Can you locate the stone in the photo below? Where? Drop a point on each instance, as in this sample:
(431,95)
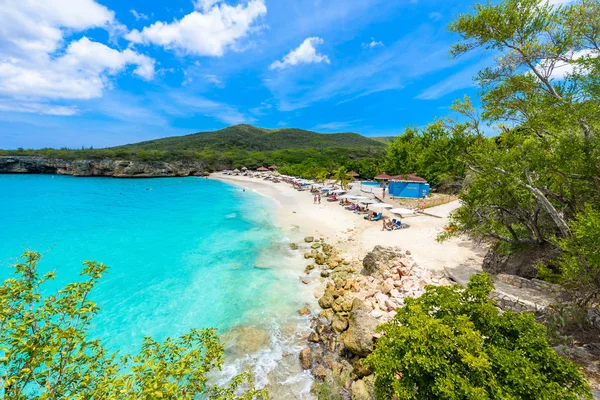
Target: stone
(313,337)
(339,325)
(308,255)
(306,358)
(327,300)
(361,368)
(395,293)
(333,264)
(391,305)
(361,328)
(328,314)
(319,258)
(319,372)
(293,246)
(378,261)
(304,280)
(360,391)
(377,313)
(387,286)
(241,340)
(347,306)
(315,245)
(304,311)
(325,274)
(309,239)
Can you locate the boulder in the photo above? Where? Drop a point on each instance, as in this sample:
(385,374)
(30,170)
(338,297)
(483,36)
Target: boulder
(306,358)
(361,328)
(313,337)
(320,258)
(339,324)
(378,261)
(293,246)
(361,368)
(304,311)
(328,314)
(319,372)
(307,255)
(360,390)
(309,239)
(327,300)
(241,340)
(315,245)
(325,274)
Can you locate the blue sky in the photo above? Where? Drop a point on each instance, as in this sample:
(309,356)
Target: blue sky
(107,72)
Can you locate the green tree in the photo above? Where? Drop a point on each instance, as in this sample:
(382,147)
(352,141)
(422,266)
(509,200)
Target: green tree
(453,343)
(580,261)
(341,177)
(45,352)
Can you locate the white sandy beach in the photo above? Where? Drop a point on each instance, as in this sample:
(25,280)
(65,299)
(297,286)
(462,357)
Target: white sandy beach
(354,236)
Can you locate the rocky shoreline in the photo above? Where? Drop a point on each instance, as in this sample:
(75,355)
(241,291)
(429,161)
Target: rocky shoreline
(357,298)
(102,168)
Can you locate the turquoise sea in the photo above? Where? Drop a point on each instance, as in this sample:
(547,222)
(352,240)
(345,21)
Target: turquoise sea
(183,253)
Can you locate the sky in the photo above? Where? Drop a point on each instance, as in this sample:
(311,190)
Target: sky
(81,73)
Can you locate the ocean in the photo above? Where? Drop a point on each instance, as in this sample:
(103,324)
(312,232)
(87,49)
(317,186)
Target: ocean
(183,253)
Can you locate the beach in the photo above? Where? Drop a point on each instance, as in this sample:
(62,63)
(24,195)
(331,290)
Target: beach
(354,236)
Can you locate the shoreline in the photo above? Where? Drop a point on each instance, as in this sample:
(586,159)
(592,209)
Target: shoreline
(354,237)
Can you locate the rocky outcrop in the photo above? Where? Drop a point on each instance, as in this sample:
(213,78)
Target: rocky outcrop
(379,260)
(361,329)
(107,168)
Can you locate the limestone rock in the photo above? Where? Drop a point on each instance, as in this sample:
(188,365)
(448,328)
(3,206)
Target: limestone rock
(313,337)
(360,391)
(339,324)
(319,258)
(361,328)
(293,246)
(327,300)
(319,372)
(309,239)
(328,314)
(306,358)
(315,245)
(379,260)
(304,311)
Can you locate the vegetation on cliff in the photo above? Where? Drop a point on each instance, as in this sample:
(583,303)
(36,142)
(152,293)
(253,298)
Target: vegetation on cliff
(46,353)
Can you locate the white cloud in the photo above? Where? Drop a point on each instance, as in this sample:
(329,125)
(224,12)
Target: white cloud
(33,29)
(138,15)
(303,54)
(205,5)
(209,31)
(435,16)
(81,73)
(372,44)
(36,67)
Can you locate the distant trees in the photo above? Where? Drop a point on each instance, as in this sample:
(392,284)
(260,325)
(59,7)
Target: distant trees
(45,351)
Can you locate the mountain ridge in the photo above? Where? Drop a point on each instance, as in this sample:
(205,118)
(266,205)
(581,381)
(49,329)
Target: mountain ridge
(251,138)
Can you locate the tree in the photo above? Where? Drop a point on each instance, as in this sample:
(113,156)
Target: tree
(527,184)
(580,262)
(453,343)
(45,352)
(341,177)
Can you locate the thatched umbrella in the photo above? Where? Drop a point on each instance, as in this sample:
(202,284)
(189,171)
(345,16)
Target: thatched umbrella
(353,174)
(273,167)
(262,169)
(383,177)
(244,169)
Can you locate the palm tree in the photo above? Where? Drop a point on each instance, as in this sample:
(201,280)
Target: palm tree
(341,177)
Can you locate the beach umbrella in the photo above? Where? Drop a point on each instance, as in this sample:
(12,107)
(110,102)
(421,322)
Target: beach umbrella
(262,169)
(348,197)
(338,191)
(402,211)
(236,170)
(368,201)
(381,205)
(244,169)
(361,198)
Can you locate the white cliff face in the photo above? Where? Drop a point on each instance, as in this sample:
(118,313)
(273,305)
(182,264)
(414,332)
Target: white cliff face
(107,168)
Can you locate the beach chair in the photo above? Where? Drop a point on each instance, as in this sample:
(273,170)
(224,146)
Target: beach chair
(378,217)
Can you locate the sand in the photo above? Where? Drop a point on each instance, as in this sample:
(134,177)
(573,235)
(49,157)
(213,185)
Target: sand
(297,216)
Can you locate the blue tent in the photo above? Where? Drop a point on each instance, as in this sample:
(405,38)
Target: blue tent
(409,186)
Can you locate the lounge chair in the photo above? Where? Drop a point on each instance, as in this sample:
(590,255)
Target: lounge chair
(378,217)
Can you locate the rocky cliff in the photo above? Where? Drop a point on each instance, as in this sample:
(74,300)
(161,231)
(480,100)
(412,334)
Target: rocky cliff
(109,168)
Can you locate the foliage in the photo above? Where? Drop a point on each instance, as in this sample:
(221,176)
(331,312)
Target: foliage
(45,352)
(580,261)
(453,343)
(431,153)
(526,184)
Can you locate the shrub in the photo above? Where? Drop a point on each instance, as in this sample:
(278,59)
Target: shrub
(453,343)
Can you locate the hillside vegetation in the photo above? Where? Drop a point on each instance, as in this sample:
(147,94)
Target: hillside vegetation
(251,138)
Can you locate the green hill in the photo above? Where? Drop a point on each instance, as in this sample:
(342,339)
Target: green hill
(250,138)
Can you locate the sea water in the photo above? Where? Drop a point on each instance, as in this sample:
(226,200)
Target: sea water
(183,253)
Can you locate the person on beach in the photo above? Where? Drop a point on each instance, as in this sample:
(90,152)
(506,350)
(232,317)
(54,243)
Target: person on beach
(315,199)
(319,198)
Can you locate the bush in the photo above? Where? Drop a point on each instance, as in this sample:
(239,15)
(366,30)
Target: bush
(453,343)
